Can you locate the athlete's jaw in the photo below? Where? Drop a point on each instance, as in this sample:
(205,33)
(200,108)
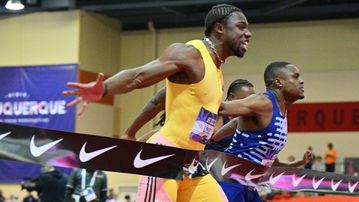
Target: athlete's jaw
(301,91)
(239,45)
(243,45)
(242,48)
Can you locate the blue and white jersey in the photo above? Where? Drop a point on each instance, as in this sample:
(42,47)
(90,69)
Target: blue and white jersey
(261,146)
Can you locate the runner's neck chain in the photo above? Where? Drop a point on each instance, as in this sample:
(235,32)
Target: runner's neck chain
(210,43)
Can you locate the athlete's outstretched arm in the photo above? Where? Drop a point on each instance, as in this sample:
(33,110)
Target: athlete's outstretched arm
(151,109)
(253,105)
(226,130)
(176,58)
(307,158)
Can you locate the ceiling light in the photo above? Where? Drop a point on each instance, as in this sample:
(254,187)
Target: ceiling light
(14,5)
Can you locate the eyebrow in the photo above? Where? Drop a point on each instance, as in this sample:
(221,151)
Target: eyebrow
(243,22)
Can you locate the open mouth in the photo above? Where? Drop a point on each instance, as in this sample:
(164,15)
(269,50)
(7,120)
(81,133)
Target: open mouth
(244,46)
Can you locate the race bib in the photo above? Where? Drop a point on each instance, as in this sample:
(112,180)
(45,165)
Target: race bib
(204,126)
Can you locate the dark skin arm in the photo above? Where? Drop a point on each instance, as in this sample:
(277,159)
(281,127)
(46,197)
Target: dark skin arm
(307,157)
(225,131)
(180,63)
(151,109)
(256,105)
(147,135)
(253,105)
(254,112)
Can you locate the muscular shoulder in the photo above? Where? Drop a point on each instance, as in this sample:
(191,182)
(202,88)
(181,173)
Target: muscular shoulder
(260,103)
(259,98)
(181,52)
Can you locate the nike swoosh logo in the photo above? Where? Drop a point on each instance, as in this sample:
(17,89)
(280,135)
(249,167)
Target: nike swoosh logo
(4,135)
(352,188)
(273,180)
(208,166)
(140,163)
(316,184)
(38,151)
(225,170)
(86,156)
(297,181)
(250,177)
(336,185)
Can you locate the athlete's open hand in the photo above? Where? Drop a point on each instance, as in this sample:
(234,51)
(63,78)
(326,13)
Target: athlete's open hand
(86,92)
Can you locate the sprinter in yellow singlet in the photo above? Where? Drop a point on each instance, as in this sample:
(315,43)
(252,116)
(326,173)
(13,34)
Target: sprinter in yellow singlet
(194,88)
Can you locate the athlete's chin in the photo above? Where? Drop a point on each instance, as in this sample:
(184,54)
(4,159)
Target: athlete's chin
(240,54)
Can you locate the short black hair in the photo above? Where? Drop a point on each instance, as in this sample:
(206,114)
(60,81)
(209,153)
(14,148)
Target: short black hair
(217,14)
(236,84)
(272,71)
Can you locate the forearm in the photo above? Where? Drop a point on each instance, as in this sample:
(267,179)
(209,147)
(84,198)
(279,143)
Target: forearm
(226,130)
(289,164)
(141,77)
(242,107)
(147,136)
(140,121)
(122,82)
(151,109)
(253,105)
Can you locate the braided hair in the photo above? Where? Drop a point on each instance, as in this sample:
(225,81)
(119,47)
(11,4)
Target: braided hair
(236,84)
(217,14)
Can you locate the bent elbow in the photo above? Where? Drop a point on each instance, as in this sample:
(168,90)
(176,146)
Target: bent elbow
(224,110)
(221,111)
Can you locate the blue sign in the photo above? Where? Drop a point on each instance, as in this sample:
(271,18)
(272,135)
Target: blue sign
(32,96)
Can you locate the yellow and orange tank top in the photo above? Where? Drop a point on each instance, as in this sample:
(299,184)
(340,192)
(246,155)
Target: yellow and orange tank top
(189,106)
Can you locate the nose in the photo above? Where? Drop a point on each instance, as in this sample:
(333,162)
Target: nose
(248,34)
(301,81)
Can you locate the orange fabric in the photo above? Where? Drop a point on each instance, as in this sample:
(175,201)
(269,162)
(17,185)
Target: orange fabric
(327,198)
(330,156)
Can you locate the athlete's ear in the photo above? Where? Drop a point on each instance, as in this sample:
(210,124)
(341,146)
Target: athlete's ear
(218,28)
(230,97)
(278,83)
